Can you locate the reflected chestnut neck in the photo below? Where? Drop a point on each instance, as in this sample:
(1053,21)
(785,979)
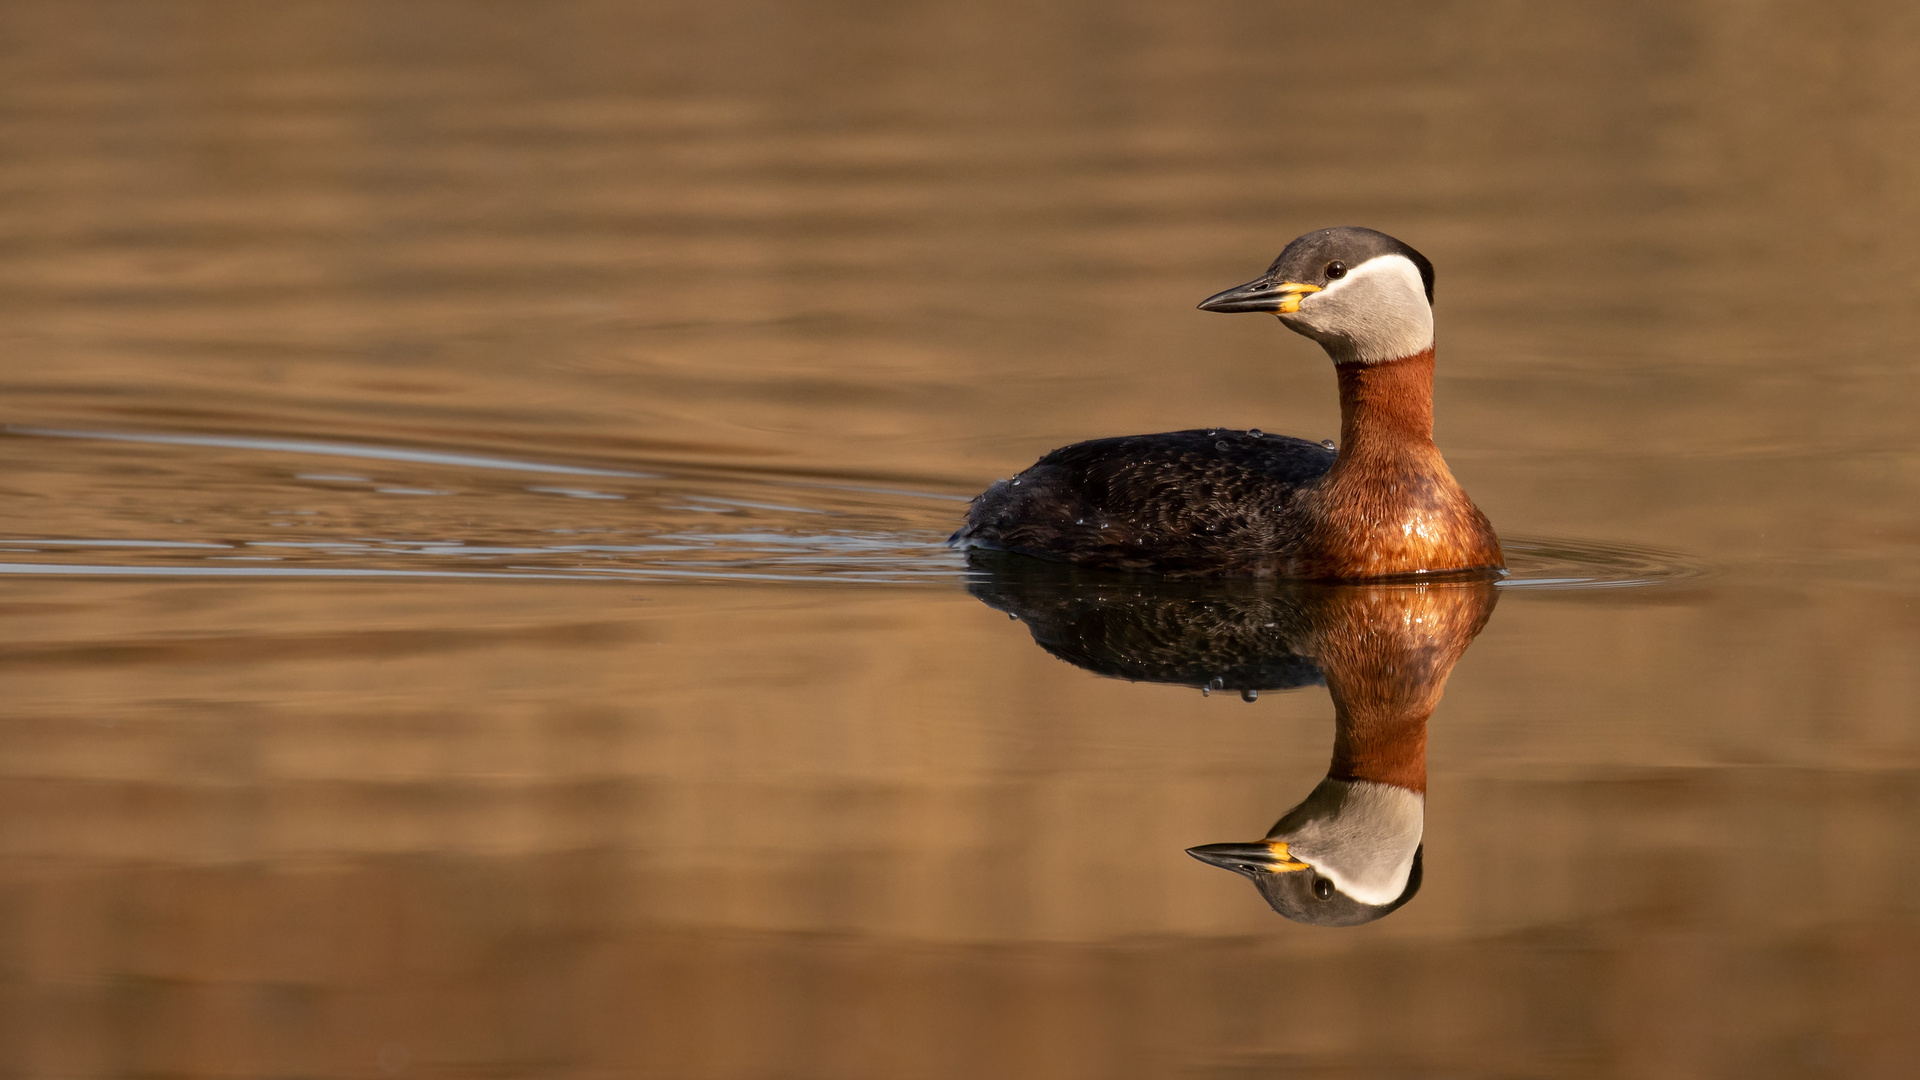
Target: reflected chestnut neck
(1382,746)
(1386,660)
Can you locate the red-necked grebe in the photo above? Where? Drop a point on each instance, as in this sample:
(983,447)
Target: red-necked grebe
(1215,502)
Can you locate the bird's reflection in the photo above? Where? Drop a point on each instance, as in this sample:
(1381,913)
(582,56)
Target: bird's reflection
(1350,852)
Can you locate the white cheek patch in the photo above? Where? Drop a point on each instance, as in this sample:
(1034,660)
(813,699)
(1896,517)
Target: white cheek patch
(1377,312)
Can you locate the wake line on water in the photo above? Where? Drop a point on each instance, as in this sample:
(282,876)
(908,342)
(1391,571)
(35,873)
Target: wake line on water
(787,547)
(346,450)
(372,452)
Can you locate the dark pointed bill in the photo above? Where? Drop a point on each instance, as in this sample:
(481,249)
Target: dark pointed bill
(1279,297)
(1259,857)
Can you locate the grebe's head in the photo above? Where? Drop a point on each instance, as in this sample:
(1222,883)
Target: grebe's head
(1347,855)
(1363,295)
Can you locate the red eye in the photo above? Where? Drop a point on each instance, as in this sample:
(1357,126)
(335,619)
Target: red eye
(1336,269)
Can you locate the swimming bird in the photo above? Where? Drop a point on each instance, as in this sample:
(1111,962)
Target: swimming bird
(1215,502)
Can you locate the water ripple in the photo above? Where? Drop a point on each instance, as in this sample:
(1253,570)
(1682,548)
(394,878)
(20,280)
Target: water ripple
(326,449)
(197,504)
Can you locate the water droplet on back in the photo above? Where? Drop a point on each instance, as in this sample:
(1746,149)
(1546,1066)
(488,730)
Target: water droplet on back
(1206,691)
(1328,443)
(1249,695)
(1255,432)
(1221,445)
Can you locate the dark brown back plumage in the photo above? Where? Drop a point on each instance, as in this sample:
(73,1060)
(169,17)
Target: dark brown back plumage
(1221,502)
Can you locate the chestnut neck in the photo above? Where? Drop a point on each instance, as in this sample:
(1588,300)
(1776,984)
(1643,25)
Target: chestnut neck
(1386,409)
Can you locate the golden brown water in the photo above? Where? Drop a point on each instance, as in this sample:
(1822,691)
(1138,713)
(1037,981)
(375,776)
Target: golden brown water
(473,477)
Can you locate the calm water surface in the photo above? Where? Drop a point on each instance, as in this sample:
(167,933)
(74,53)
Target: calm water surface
(472,483)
